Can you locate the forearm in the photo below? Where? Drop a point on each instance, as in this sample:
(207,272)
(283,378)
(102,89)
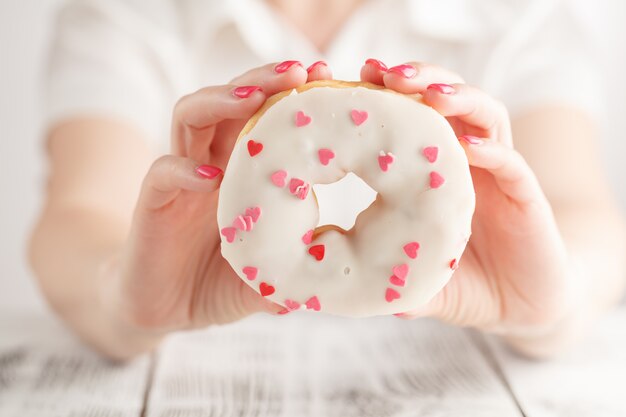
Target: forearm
(72,251)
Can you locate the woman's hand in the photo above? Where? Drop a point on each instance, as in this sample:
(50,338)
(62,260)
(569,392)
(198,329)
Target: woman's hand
(513,277)
(171,272)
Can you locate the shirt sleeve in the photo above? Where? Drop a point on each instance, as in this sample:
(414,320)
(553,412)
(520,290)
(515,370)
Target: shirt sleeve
(102,63)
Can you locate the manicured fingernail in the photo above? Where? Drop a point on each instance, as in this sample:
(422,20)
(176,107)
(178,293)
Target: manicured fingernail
(208,171)
(283,312)
(378,64)
(316,64)
(405,70)
(471,140)
(401,315)
(246,91)
(285,65)
(442,88)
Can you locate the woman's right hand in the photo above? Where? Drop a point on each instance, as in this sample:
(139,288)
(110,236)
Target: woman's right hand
(171,274)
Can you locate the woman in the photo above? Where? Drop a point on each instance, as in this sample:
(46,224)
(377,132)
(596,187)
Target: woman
(127,248)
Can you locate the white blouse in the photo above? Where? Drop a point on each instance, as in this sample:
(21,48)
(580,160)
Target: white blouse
(132,59)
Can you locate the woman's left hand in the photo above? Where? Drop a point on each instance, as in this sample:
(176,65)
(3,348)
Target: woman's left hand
(513,277)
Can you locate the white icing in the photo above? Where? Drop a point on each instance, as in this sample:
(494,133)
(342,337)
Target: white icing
(406,209)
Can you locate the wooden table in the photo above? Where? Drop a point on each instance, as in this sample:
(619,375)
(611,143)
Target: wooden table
(310,365)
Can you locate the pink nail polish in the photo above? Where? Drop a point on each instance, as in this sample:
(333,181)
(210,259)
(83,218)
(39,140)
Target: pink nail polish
(208,171)
(405,70)
(442,88)
(285,65)
(316,64)
(471,140)
(246,91)
(378,64)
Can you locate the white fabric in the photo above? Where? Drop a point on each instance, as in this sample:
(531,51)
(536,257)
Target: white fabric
(133,59)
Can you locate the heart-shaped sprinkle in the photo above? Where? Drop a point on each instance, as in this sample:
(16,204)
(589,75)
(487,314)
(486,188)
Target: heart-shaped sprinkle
(307,237)
(400,271)
(266,289)
(358,116)
(384,160)
(254,212)
(302,191)
(240,223)
(397,281)
(313,304)
(294,184)
(317,252)
(292,305)
(229,233)
(250,272)
(454,264)
(302,119)
(431,152)
(391,294)
(249,222)
(325,156)
(436,180)
(254,147)
(278,178)
(411,249)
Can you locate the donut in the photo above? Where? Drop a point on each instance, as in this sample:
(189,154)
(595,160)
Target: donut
(401,250)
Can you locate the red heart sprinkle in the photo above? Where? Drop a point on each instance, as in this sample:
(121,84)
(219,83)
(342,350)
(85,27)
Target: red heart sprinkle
(325,156)
(317,251)
(358,116)
(431,152)
(400,271)
(294,184)
(313,303)
(254,147)
(454,264)
(302,119)
(391,295)
(229,233)
(397,281)
(254,212)
(411,249)
(436,180)
(384,160)
(278,178)
(307,237)
(240,223)
(266,289)
(250,272)
(292,305)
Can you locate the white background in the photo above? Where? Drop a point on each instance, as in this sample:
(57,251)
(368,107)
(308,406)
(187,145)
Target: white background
(25,29)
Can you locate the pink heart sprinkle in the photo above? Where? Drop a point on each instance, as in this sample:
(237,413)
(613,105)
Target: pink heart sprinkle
(411,249)
(292,305)
(278,178)
(391,295)
(325,156)
(358,116)
(302,191)
(313,304)
(431,152)
(307,237)
(436,180)
(397,281)
(250,272)
(240,223)
(294,184)
(384,160)
(249,222)
(302,119)
(400,271)
(254,212)
(229,233)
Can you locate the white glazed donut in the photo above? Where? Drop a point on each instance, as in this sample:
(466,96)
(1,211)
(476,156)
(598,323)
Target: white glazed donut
(403,248)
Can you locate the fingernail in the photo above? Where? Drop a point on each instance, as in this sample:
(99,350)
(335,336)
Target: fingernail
(283,312)
(285,65)
(316,64)
(246,91)
(401,315)
(378,64)
(471,140)
(405,70)
(442,88)
(208,171)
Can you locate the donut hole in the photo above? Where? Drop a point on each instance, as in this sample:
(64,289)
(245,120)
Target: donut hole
(341,202)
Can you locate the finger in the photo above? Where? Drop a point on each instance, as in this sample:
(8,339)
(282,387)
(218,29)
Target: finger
(373,71)
(415,77)
(319,71)
(473,107)
(512,174)
(274,77)
(169,175)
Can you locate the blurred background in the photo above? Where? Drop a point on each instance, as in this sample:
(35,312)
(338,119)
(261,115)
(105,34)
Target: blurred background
(25,31)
